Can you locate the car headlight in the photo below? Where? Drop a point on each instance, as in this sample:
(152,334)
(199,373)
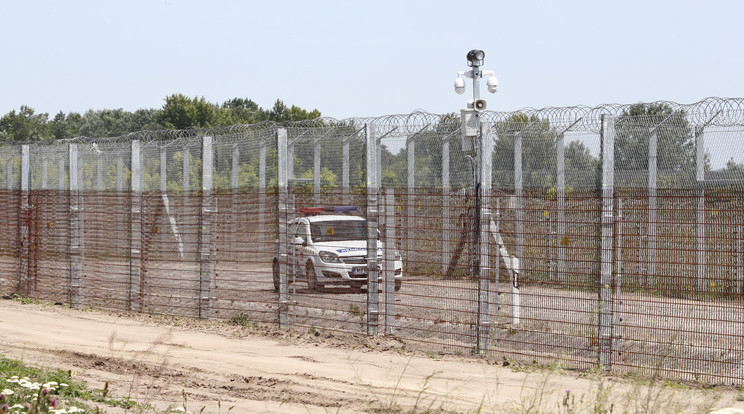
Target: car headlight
(329,257)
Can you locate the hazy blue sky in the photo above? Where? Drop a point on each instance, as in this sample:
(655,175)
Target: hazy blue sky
(354,58)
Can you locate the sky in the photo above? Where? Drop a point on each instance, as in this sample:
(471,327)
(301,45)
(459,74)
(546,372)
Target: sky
(363,59)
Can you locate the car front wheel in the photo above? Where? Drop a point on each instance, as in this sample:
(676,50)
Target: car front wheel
(312,278)
(275,269)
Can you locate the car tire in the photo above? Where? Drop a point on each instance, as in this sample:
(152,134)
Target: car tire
(310,276)
(398,284)
(275,271)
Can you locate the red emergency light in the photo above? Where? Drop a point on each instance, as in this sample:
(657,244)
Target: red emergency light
(311,210)
(318,210)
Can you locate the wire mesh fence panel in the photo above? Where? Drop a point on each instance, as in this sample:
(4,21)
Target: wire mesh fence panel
(246,229)
(610,236)
(10,196)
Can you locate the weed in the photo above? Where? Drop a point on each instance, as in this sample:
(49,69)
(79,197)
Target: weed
(241,319)
(24,301)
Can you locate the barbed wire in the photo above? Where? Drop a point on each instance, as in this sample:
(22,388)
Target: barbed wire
(713,111)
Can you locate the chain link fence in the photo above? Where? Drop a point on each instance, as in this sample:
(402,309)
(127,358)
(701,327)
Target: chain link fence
(599,237)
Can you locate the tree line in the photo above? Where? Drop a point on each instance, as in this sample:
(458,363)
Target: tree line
(634,128)
(178,112)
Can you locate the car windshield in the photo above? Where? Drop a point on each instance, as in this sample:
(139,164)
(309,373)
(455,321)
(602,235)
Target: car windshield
(338,230)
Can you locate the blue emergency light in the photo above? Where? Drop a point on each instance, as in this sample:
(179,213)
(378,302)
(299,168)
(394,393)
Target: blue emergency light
(341,209)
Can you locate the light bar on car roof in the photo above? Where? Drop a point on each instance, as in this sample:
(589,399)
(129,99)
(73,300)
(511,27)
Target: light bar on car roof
(311,210)
(341,209)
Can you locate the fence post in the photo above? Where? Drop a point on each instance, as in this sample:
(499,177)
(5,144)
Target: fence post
(484,279)
(135,238)
(345,170)
(410,209)
(606,249)
(739,275)
(44,173)
(700,227)
(262,194)
(24,222)
(445,205)
(562,238)
(61,173)
(283,216)
(617,300)
(76,253)
(518,193)
(316,171)
(652,207)
(206,266)
(234,182)
(372,225)
(389,263)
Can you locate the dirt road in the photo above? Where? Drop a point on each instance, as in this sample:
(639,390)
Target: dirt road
(256,369)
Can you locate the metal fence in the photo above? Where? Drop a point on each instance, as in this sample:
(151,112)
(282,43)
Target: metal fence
(608,236)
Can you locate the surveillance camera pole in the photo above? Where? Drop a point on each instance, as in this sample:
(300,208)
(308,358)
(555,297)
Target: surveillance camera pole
(475,144)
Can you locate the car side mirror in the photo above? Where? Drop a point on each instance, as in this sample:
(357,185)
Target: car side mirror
(298,240)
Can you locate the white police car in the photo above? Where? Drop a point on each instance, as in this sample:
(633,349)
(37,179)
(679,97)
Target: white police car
(327,247)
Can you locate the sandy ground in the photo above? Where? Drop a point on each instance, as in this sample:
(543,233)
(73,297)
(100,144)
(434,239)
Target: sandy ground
(259,369)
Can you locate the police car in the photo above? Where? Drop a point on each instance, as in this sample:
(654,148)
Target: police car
(328,246)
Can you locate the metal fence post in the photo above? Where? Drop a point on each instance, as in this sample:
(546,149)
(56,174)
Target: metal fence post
(262,194)
(76,252)
(24,238)
(234,182)
(372,225)
(316,171)
(484,280)
(61,173)
(135,237)
(206,257)
(518,193)
(9,174)
(562,238)
(617,299)
(700,220)
(411,209)
(445,204)
(283,216)
(389,263)
(44,173)
(652,182)
(345,170)
(739,275)
(606,249)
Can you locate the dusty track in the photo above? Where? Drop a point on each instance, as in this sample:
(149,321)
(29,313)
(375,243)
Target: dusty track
(156,359)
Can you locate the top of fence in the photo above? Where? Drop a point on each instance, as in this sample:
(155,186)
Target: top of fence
(712,111)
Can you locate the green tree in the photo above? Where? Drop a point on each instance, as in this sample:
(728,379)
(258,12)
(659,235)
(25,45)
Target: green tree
(181,112)
(24,126)
(578,157)
(538,151)
(242,111)
(66,126)
(675,143)
(107,123)
(281,113)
